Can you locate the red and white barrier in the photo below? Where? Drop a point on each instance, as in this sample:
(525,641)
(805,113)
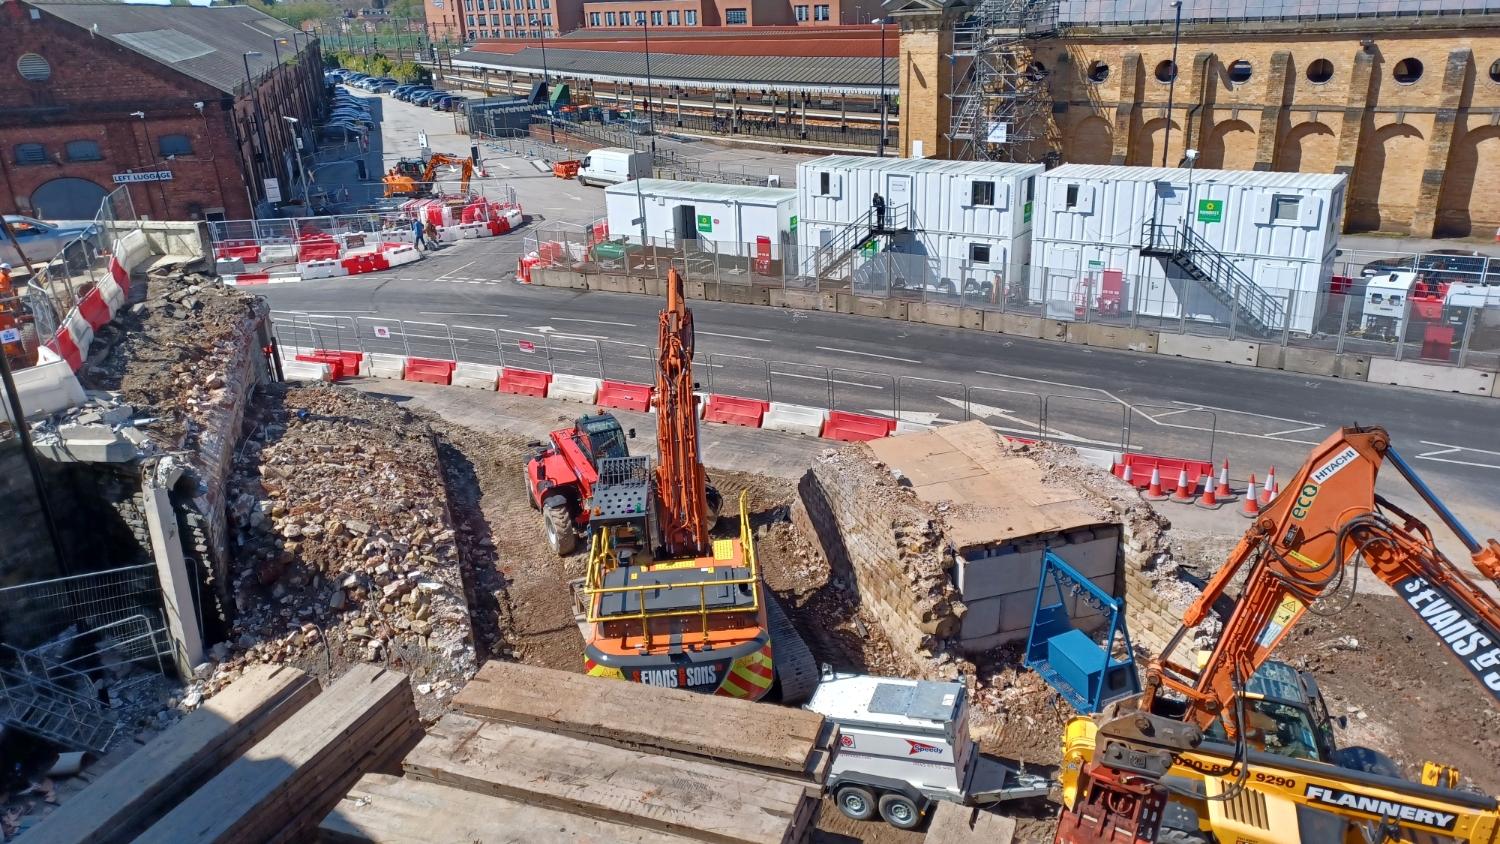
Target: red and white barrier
(856,427)
(622,395)
(524,382)
(733,410)
(323,268)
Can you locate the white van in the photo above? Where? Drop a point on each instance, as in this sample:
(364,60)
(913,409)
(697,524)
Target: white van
(613,165)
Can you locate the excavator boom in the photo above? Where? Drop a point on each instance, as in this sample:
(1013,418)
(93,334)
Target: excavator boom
(681,483)
(1306,544)
(438,159)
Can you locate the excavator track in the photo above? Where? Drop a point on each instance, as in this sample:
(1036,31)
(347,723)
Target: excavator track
(796,670)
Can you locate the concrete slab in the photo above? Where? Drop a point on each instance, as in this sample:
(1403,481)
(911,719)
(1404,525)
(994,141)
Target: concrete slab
(955,824)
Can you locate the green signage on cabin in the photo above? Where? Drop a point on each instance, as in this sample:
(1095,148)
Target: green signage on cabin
(794,224)
(1026,213)
(1210,210)
(705,222)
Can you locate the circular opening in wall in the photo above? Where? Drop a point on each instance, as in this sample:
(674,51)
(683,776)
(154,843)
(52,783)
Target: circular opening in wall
(1239,72)
(1407,71)
(1320,71)
(1099,71)
(1166,72)
(1495,71)
(34,67)
(1036,71)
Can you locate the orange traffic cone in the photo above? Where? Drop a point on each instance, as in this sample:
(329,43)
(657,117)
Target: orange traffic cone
(1251,508)
(1184,492)
(1265,491)
(1128,476)
(1153,492)
(1224,493)
(1210,499)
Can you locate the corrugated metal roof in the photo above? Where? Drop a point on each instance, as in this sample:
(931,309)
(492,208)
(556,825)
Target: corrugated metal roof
(1254,178)
(705,190)
(206,43)
(826,73)
(1108,12)
(998,169)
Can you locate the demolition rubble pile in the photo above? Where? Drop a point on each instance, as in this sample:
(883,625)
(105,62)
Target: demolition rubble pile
(342,540)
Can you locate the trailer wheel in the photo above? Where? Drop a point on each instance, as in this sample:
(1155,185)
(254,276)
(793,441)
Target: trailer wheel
(856,802)
(899,811)
(559,525)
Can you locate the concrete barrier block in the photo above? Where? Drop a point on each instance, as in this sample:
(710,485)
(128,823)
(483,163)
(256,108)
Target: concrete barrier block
(905,427)
(654,286)
(778,297)
(1238,352)
(1024,325)
(737,294)
(1054,329)
(1093,558)
(869,306)
(1103,458)
(992,322)
(476,376)
(92,444)
(805,300)
(937,313)
(829,302)
(573,388)
(1352,367)
(972,318)
(981,619)
(44,388)
(389,367)
(693,290)
(794,419)
(635,285)
(1120,337)
(1425,376)
(301,370)
(844,303)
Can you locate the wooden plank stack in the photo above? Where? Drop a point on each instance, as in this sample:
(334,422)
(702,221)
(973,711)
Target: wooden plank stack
(129,797)
(281,788)
(772,740)
(698,800)
(955,824)
(383,809)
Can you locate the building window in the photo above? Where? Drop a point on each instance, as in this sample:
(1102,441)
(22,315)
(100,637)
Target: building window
(736,17)
(1072,198)
(609,18)
(1285,208)
(594,18)
(546,4)
(507,20)
(533,21)
(982,193)
(692,18)
(174,145)
(547,19)
(494,20)
(801,13)
(820,13)
(979,253)
(31,154)
(34,68)
(471,20)
(640,18)
(825,183)
(505,5)
(84,151)
(674,18)
(656,18)
(468,5)
(1030,184)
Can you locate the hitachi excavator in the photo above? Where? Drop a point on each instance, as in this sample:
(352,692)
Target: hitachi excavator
(401,181)
(1145,772)
(661,601)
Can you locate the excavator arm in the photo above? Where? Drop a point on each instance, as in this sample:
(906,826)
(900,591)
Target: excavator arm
(438,159)
(1305,546)
(681,482)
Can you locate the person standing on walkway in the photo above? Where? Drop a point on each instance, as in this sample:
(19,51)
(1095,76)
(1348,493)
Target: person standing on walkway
(879,203)
(416,231)
(432,235)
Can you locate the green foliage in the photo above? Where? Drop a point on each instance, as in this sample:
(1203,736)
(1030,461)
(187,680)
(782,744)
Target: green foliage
(296,12)
(411,72)
(410,9)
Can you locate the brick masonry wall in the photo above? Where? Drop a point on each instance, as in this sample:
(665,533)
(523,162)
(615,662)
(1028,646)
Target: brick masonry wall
(1423,156)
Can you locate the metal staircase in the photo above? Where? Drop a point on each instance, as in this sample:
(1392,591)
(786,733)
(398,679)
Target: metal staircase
(1213,269)
(849,240)
(65,714)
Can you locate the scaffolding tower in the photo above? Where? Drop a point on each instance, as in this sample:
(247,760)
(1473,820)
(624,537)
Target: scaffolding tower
(1000,101)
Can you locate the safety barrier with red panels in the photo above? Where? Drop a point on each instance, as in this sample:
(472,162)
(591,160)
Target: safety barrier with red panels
(733,410)
(1171,468)
(97,307)
(429,371)
(621,395)
(340,364)
(524,382)
(856,427)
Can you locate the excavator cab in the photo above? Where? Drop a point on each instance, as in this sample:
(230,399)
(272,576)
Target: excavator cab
(1287,714)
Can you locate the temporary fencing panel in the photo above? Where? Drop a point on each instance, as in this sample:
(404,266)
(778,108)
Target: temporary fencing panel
(1015,413)
(800,383)
(574,355)
(737,375)
(858,391)
(477,345)
(1085,420)
(383,335)
(431,340)
(1141,431)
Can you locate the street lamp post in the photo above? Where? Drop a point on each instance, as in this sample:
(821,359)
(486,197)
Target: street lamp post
(260,128)
(1172,85)
(547,82)
(884,139)
(650,115)
(302,168)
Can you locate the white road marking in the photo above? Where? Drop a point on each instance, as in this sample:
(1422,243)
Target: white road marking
(1445,448)
(775,374)
(733,336)
(594,321)
(445,275)
(866,354)
(456,313)
(920,417)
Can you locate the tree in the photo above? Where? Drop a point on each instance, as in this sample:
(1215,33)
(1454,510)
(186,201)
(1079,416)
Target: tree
(296,13)
(409,9)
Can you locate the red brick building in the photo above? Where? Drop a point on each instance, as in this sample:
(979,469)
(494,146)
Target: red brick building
(445,21)
(94,94)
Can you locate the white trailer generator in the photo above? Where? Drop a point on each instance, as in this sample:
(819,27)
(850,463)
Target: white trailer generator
(904,744)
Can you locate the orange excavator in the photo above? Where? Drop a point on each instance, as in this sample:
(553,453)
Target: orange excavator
(401,183)
(662,602)
(1306,546)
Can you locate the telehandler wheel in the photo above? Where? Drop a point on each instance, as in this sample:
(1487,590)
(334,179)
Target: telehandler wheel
(530,493)
(856,802)
(559,525)
(899,811)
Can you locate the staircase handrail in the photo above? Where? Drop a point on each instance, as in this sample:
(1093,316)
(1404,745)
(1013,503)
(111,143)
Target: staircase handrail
(1251,296)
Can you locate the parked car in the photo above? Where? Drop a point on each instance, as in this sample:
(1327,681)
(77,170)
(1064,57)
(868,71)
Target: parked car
(426,97)
(440,103)
(41,241)
(402,89)
(411,95)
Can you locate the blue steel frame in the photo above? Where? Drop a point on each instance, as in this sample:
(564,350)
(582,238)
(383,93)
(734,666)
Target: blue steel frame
(1052,620)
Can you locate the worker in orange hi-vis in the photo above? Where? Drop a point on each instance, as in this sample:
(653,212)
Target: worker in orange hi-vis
(8,301)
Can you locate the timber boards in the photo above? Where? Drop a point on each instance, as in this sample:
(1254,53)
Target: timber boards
(129,797)
(652,719)
(291,778)
(698,800)
(382,809)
